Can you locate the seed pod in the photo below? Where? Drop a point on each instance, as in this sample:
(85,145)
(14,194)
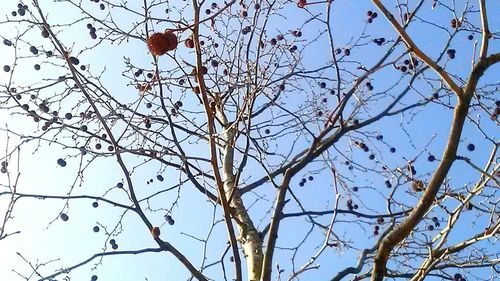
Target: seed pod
(155,231)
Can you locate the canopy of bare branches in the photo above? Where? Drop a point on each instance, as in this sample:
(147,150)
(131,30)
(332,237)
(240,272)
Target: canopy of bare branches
(251,140)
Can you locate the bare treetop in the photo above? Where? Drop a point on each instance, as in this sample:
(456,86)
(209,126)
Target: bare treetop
(261,140)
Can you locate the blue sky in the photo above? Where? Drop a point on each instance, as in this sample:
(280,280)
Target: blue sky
(44,237)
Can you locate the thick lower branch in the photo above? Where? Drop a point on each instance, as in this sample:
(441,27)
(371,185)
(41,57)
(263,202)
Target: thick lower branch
(249,237)
(402,231)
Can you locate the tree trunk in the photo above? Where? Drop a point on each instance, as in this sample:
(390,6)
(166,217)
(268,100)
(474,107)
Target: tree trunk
(249,238)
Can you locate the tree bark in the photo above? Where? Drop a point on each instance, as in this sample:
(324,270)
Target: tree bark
(249,238)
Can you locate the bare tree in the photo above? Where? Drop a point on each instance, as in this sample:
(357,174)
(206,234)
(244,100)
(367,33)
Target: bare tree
(271,140)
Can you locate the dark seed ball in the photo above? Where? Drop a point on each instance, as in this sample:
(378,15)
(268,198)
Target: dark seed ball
(33,50)
(83,150)
(74,60)
(388,184)
(45,33)
(471,147)
(61,162)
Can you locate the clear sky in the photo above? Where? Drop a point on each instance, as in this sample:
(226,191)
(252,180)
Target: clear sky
(44,238)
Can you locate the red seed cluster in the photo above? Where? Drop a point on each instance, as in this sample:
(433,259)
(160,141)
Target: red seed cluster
(160,43)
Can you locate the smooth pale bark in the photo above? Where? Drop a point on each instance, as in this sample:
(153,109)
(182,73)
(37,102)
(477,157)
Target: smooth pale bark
(249,238)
